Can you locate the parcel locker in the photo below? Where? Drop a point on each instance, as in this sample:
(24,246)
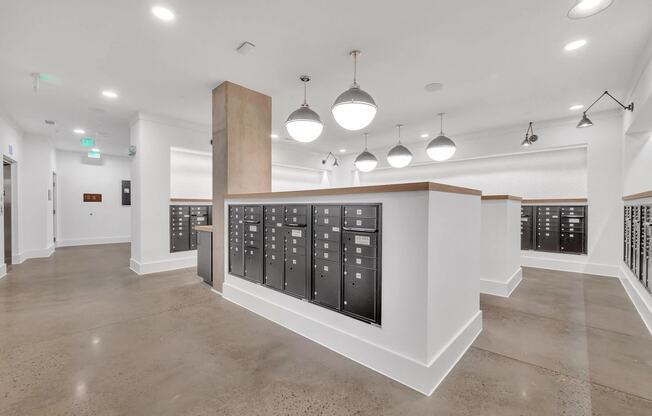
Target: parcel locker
(274,269)
(327,283)
(573,229)
(627,236)
(253,264)
(572,243)
(527,223)
(295,274)
(236,260)
(360,292)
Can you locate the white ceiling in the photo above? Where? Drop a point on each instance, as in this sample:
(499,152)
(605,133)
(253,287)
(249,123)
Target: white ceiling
(501,61)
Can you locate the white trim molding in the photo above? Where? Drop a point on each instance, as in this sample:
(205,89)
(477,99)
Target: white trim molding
(423,377)
(3,270)
(32,254)
(93,241)
(640,297)
(162,265)
(499,288)
(567,263)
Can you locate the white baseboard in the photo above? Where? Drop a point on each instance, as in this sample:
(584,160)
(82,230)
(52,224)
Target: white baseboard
(162,265)
(216,291)
(639,296)
(32,254)
(3,270)
(567,263)
(93,241)
(498,288)
(420,376)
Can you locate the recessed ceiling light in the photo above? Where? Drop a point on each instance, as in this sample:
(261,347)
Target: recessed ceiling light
(274,136)
(424,135)
(163,13)
(576,44)
(79,131)
(433,86)
(342,150)
(110,94)
(576,107)
(587,8)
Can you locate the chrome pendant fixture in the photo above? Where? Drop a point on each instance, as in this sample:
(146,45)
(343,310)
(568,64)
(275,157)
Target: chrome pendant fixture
(365,162)
(399,156)
(354,109)
(441,147)
(587,8)
(304,124)
(530,137)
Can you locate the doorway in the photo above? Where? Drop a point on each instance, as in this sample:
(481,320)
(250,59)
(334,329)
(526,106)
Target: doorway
(6,202)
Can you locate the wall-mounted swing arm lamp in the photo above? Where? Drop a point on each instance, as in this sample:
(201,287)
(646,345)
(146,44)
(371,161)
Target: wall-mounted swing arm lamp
(530,137)
(336,161)
(586,122)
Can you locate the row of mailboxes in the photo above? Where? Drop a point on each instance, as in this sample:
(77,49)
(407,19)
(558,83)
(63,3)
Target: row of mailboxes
(183,220)
(637,242)
(326,254)
(554,228)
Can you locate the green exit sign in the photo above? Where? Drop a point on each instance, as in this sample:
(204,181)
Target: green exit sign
(87,142)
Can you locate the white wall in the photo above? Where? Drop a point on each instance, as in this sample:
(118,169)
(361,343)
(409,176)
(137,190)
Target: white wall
(34,181)
(295,167)
(191,174)
(153,137)
(80,222)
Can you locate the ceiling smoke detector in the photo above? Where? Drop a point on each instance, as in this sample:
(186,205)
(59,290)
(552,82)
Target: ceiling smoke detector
(245,47)
(433,86)
(50,122)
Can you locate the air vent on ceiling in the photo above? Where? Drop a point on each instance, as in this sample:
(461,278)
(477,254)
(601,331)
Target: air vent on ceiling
(50,122)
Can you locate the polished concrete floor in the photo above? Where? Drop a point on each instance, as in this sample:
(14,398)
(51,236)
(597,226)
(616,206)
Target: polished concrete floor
(80,334)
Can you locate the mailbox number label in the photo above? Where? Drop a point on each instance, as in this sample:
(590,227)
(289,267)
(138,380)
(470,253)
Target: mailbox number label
(362,240)
(253,228)
(296,233)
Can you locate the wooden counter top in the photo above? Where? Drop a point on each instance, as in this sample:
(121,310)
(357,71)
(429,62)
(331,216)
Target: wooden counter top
(640,195)
(556,201)
(373,189)
(499,197)
(206,228)
(208,201)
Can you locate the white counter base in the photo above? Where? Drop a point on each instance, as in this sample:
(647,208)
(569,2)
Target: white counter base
(420,376)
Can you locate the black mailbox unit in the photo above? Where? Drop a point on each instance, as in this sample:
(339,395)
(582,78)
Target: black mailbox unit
(253,243)
(548,228)
(236,240)
(573,229)
(361,251)
(183,219)
(274,244)
(297,250)
(327,255)
(527,224)
(637,242)
(179,228)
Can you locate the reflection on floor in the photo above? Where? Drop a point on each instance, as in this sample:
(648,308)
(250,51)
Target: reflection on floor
(81,334)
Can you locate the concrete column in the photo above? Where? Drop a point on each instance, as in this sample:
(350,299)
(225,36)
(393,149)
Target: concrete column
(242,155)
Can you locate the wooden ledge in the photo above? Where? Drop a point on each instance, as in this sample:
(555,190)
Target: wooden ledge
(207,200)
(373,189)
(499,197)
(640,195)
(556,201)
(207,228)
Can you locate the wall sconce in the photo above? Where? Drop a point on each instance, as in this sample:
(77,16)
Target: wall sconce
(586,122)
(336,161)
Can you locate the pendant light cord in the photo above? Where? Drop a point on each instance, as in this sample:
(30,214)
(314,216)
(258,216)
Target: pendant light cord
(365,141)
(398,126)
(305,101)
(355,67)
(441,124)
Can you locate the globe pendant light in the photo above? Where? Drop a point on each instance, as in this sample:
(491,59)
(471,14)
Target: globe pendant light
(365,162)
(441,147)
(354,109)
(587,8)
(399,156)
(304,125)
